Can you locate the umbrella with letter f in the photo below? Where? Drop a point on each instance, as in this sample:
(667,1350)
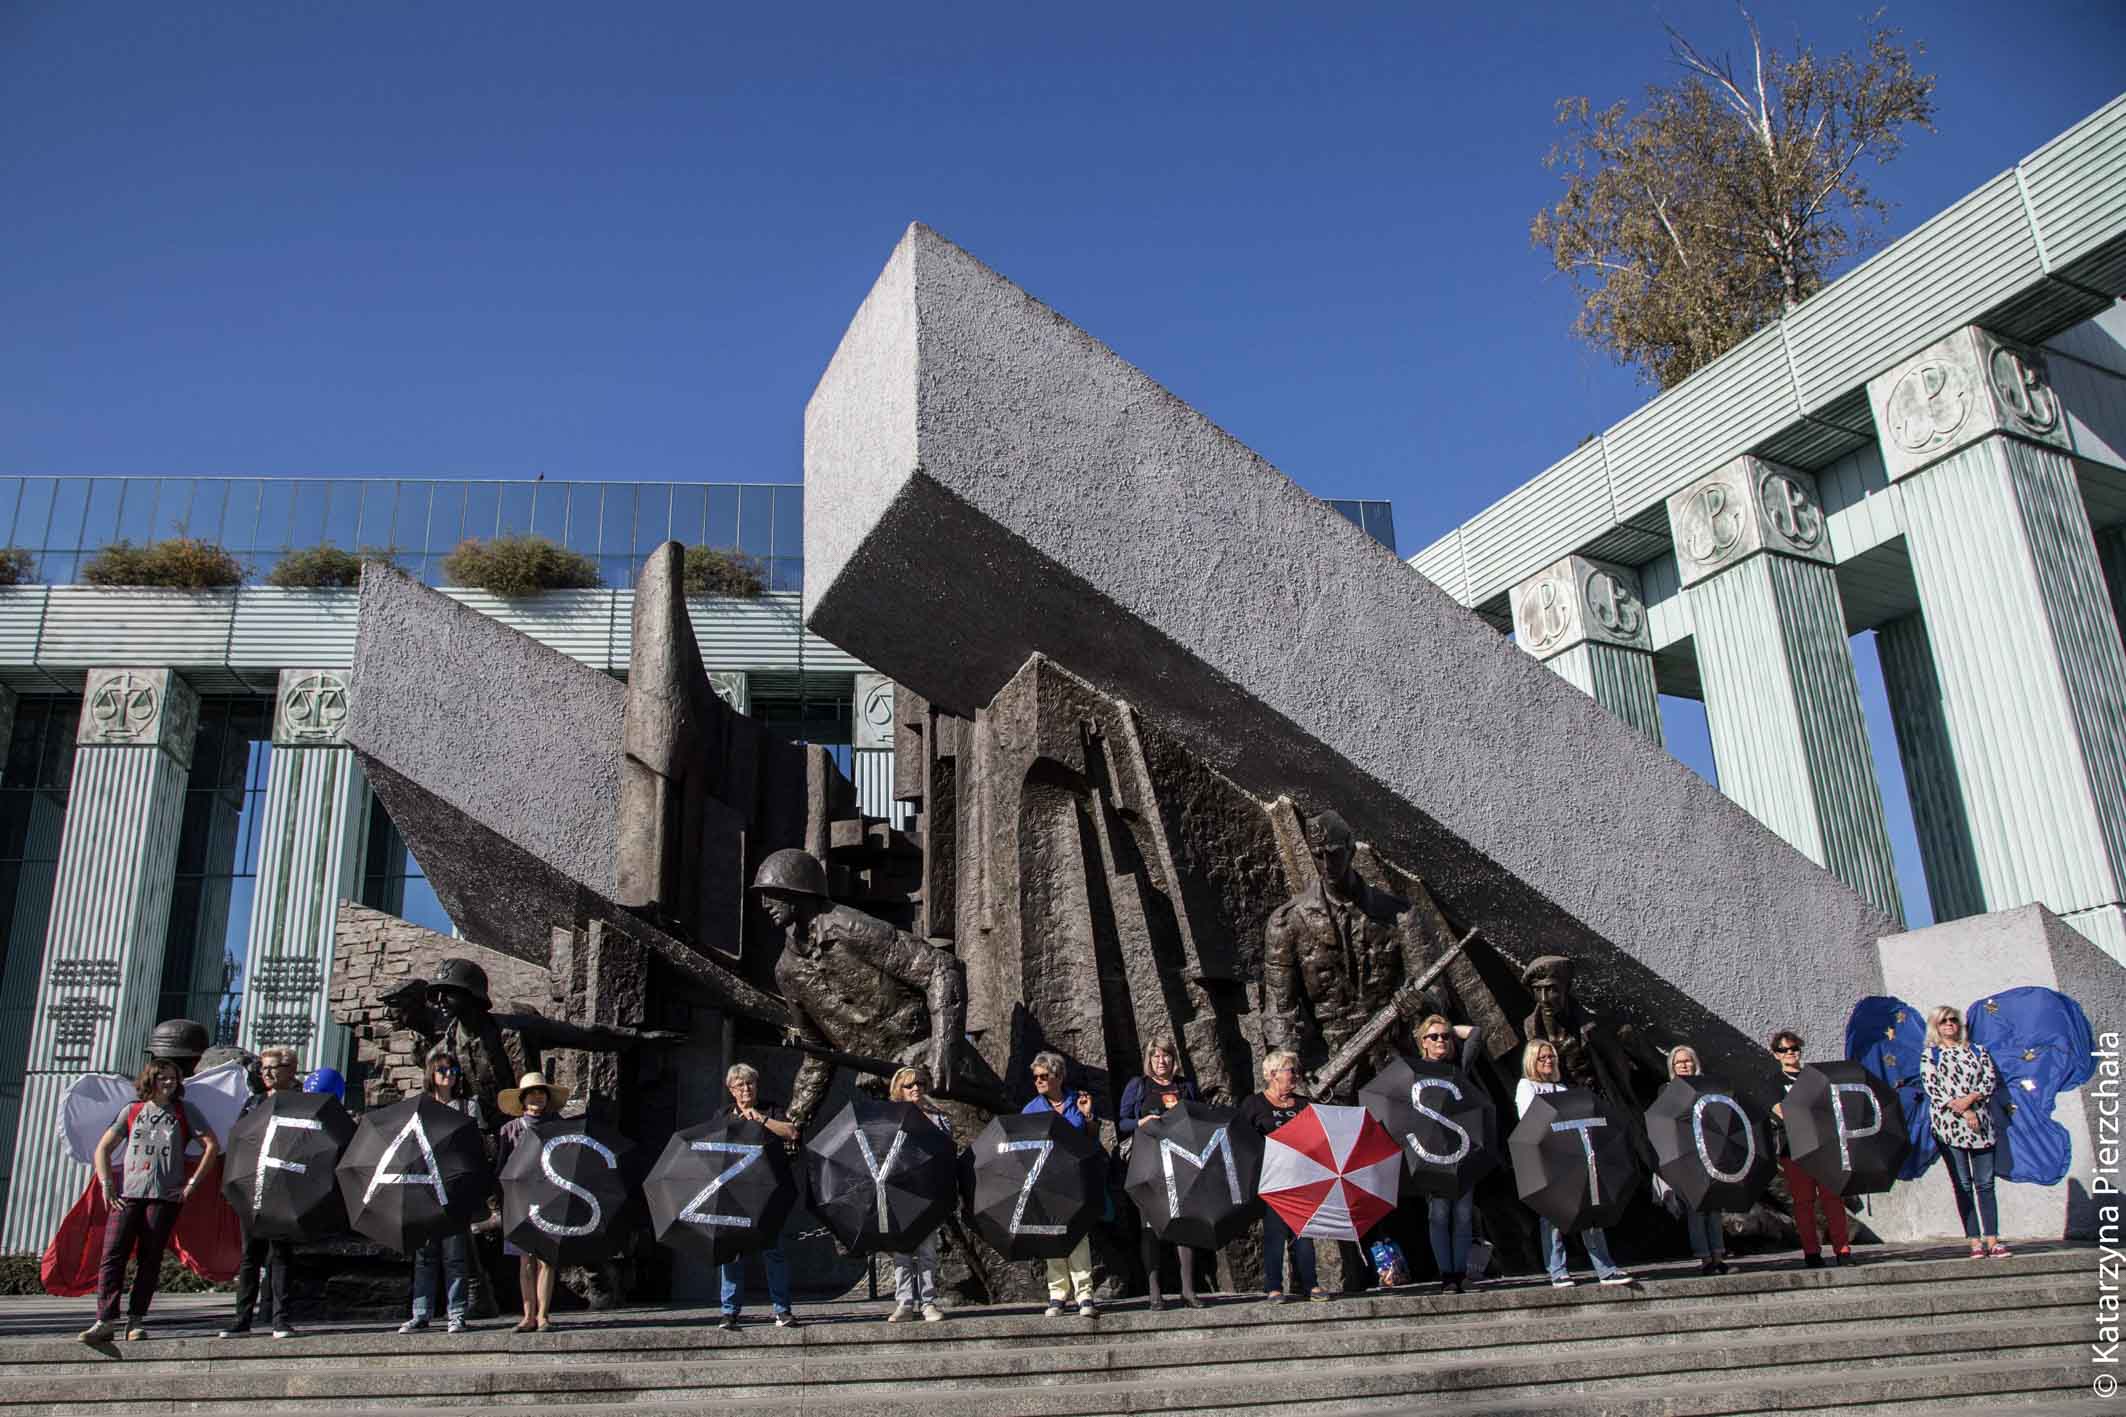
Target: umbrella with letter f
(1039,1184)
(1846,1127)
(1331,1173)
(1573,1160)
(721,1189)
(279,1173)
(1194,1175)
(882,1177)
(415,1170)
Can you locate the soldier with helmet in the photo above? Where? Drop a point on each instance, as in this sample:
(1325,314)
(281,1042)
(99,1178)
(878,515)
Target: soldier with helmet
(179,1041)
(854,982)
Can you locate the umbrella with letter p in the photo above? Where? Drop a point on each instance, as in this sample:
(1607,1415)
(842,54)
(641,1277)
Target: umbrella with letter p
(1573,1160)
(1039,1184)
(278,1174)
(1331,1173)
(1845,1127)
(721,1189)
(1194,1175)
(415,1170)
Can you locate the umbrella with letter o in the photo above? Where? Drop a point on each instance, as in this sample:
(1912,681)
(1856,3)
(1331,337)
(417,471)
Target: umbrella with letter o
(1573,1160)
(1710,1149)
(1039,1184)
(278,1171)
(415,1170)
(1845,1127)
(1331,1173)
(1194,1175)
(564,1192)
(881,1177)
(1445,1122)
(721,1189)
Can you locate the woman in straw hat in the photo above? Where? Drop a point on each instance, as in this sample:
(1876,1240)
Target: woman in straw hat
(532,1098)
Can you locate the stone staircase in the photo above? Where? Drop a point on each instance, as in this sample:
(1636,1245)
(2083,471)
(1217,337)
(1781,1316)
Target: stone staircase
(1905,1331)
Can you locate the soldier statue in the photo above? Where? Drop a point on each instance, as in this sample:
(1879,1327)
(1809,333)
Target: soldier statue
(1334,956)
(494,1050)
(181,1041)
(854,984)
(1591,1054)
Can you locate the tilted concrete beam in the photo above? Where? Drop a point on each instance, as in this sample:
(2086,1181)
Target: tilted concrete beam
(983,480)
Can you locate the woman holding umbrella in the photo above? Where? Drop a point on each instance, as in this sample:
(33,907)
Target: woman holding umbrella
(446,1088)
(915,1274)
(1807,1191)
(1960,1078)
(1539,1074)
(742,1082)
(1278,1103)
(1708,1236)
(1149,1096)
(532,1098)
(1073,1274)
(1453,1222)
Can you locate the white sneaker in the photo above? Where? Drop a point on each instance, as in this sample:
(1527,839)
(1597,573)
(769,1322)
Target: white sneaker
(413,1326)
(283,1331)
(1088,1310)
(1563,1281)
(932,1313)
(101,1331)
(901,1314)
(784,1318)
(456,1324)
(1052,1311)
(1613,1280)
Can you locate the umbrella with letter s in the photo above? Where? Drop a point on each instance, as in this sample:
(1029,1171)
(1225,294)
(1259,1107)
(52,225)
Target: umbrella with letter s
(564,1191)
(1446,1123)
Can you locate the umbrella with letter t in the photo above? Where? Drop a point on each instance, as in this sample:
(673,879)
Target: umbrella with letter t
(1573,1160)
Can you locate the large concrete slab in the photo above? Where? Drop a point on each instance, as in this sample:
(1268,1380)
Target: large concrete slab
(1965,961)
(984,480)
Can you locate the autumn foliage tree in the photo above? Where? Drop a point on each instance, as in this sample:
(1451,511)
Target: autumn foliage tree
(1726,199)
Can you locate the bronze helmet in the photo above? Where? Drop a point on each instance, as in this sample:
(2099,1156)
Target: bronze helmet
(793,871)
(462,974)
(178,1039)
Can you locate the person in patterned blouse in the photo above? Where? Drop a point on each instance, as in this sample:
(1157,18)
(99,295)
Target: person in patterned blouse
(1960,1078)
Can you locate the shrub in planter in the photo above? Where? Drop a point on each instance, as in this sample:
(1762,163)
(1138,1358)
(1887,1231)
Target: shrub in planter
(17,567)
(179,563)
(315,567)
(715,570)
(519,565)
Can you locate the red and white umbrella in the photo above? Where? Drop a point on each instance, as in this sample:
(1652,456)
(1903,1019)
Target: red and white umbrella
(1331,1172)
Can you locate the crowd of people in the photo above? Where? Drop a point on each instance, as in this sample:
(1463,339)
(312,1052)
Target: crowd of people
(151,1137)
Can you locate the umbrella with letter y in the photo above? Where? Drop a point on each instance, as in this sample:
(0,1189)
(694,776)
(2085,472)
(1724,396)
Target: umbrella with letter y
(1331,1173)
(881,1177)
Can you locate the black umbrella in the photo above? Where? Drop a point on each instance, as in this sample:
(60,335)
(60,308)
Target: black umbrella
(882,1177)
(564,1192)
(1038,1185)
(721,1189)
(1193,1174)
(277,1173)
(1573,1160)
(1846,1127)
(415,1170)
(1445,1123)
(1712,1151)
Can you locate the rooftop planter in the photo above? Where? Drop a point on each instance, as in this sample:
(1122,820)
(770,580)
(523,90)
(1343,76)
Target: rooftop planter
(519,565)
(327,567)
(724,571)
(17,567)
(178,563)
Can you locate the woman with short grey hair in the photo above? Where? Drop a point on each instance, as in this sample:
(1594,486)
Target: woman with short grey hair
(1072,1275)
(1278,1103)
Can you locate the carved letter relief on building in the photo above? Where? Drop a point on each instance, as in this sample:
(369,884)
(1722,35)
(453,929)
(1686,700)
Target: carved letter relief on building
(139,708)
(1959,390)
(874,712)
(1576,600)
(311,709)
(1748,506)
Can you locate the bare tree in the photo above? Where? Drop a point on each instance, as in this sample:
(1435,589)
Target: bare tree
(1727,198)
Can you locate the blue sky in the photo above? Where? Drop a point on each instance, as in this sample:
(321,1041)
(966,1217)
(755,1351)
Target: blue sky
(620,241)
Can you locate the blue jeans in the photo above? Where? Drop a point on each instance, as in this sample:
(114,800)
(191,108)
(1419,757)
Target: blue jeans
(1552,1241)
(1452,1224)
(733,1274)
(1276,1235)
(1971,1176)
(1706,1239)
(449,1250)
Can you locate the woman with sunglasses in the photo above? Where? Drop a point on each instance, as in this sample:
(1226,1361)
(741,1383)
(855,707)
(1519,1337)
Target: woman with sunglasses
(1072,1276)
(1806,1189)
(446,1088)
(1453,1222)
(1960,1079)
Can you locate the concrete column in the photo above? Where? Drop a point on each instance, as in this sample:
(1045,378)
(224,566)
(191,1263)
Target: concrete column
(2111,551)
(1782,703)
(103,950)
(1916,712)
(2020,622)
(23,944)
(1587,621)
(309,856)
